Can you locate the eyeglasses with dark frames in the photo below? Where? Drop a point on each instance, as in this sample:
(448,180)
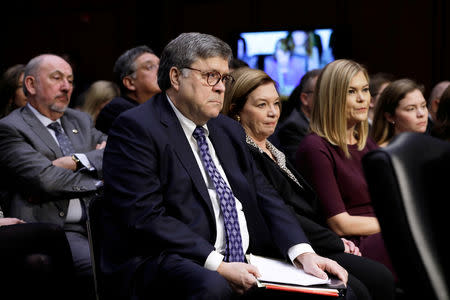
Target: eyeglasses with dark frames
(213,77)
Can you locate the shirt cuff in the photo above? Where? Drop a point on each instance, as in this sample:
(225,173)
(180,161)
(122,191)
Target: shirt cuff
(99,184)
(213,261)
(85,161)
(298,249)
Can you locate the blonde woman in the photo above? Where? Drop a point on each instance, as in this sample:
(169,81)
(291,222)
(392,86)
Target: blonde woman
(400,108)
(330,157)
(97,96)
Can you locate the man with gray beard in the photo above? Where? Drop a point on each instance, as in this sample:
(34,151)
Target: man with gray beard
(51,160)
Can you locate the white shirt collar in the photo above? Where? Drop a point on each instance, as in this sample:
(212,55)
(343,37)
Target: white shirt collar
(43,119)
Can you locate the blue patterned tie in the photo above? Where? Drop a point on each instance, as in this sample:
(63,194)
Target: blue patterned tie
(63,140)
(233,251)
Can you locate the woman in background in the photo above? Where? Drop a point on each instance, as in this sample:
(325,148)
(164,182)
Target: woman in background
(97,96)
(254,101)
(330,156)
(378,82)
(400,108)
(11,92)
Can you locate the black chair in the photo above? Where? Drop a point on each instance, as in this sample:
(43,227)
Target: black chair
(409,186)
(94,235)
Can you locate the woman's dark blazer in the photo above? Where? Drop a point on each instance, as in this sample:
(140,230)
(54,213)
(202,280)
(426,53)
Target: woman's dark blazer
(302,200)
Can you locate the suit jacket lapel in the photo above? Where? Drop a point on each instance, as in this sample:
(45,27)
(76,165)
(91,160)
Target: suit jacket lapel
(41,131)
(183,149)
(228,162)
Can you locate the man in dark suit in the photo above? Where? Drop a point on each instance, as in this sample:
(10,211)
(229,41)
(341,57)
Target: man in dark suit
(136,74)
(295,127)
(51,158)
(183,198)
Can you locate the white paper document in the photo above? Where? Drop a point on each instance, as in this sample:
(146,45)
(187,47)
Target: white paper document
(273,270)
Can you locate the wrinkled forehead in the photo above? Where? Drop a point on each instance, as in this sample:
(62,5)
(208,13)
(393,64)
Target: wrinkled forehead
(146,57)
(215,63)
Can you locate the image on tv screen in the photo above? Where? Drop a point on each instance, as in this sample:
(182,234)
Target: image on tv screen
(286,55)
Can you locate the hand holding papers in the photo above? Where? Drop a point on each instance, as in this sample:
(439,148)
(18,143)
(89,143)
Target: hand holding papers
(273,270)
(278,274)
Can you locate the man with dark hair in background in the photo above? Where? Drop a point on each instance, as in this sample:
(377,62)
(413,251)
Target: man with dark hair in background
(377,83)
(136,74)
(293,129)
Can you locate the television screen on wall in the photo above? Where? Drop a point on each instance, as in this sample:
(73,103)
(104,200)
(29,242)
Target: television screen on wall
(286,55)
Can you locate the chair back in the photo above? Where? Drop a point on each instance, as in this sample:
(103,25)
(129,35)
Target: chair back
(409,186)
(95,235)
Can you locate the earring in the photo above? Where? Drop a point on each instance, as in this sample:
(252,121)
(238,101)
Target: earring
(238,118)
(393,122)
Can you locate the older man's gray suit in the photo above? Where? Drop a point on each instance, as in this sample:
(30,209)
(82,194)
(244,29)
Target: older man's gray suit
(33,189)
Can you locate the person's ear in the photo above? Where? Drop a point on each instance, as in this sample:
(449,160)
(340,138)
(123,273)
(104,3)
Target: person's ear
(128,82)
(235,115)
(435,105)
(389,118)
(174,76)
(372,102)
(30,84)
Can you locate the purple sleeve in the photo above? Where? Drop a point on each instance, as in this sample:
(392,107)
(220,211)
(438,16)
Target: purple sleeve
(316,163)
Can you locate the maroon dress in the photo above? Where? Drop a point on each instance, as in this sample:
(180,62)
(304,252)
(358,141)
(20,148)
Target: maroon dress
(341,186)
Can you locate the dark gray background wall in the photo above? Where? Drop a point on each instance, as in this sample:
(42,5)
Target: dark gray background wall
(409,38)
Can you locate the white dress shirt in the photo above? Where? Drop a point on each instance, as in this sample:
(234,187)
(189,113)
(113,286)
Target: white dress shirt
(216,257)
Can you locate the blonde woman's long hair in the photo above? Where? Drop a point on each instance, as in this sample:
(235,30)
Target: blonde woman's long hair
(329,117)
(99,93)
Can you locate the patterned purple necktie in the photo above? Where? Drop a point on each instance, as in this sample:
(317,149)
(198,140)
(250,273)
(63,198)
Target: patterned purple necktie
(63,140)
(233,251)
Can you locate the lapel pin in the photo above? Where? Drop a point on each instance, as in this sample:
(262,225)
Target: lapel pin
(75,131)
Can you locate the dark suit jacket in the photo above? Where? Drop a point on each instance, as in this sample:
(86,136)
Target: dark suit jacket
(291,132)
(156,201)
(303,201)
(32,188)
(111,110)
